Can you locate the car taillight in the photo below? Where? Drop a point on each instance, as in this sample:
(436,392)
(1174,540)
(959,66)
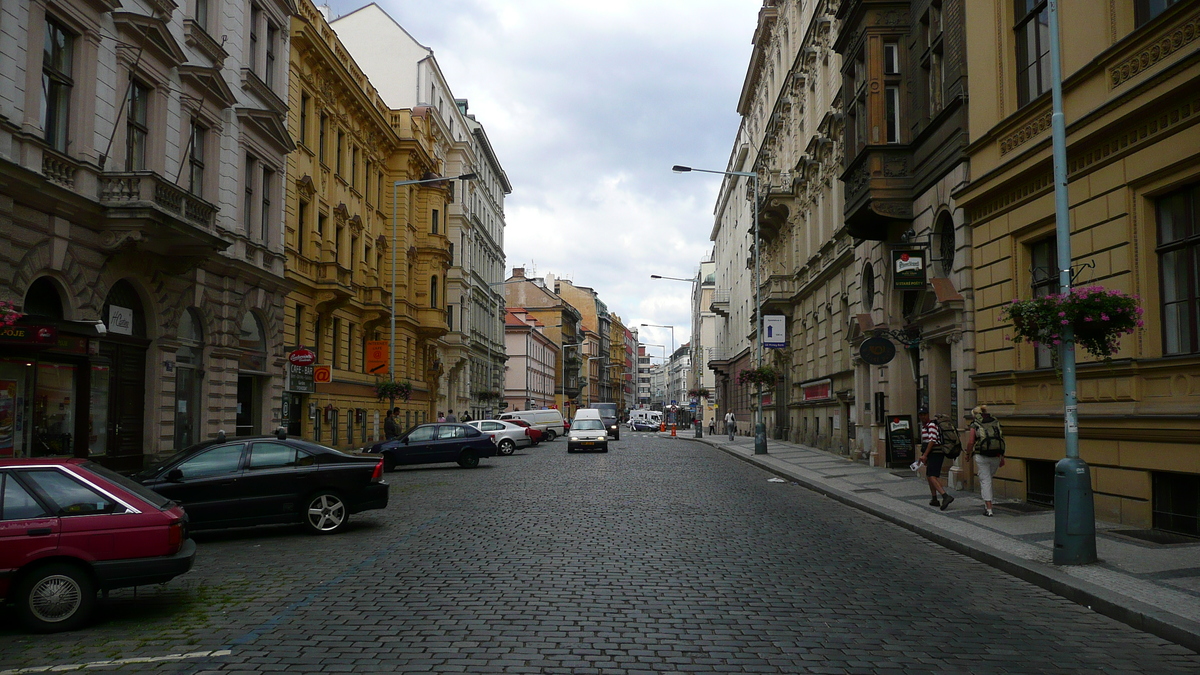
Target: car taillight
(175,536)
(377,474)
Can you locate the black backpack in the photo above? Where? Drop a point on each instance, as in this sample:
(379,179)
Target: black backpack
(951,444)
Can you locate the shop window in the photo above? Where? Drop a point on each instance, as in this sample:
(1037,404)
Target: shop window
(188,361)
(1177,502)
(53,412)
(42,300)
(1179,279)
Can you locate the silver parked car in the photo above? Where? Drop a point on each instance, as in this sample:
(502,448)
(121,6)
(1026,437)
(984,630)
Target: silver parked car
(506,435)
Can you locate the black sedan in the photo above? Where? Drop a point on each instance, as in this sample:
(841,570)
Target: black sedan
(268,480)
(434,443)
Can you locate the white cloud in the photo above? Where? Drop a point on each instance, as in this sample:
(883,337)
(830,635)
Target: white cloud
(588,105)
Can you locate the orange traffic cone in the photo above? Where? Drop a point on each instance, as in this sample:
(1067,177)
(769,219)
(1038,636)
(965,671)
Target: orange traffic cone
(672,429)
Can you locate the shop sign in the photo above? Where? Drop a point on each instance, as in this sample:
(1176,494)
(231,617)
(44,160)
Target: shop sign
(302,357)
(29,336)
(908,269)
(774,331)
(322,374)
(900,440)
(120,320)
(815,391)
(300,379)
(877,351)
(377,357)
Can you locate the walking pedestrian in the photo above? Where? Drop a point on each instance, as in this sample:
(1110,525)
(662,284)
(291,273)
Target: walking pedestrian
(985,444)
(712,426)
(390,428)
(450,416)
(441,416)
(933,457)
(730,424)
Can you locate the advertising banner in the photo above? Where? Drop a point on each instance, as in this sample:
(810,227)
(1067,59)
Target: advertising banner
(908,269)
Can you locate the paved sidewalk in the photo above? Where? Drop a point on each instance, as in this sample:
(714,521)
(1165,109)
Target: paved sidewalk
(1152,587)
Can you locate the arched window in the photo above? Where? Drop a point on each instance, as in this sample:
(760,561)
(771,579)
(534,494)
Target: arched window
(868,287)
(251,334)
(122,311)
(191,338)
(433,291)
(946,244)
(42,299)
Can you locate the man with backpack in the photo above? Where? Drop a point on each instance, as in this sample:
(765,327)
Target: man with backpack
(986,442)
(934,441)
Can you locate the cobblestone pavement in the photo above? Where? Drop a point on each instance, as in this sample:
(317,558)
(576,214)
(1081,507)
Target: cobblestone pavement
(657,557)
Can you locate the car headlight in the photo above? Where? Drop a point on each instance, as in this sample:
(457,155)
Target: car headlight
(602,438)
(574,438)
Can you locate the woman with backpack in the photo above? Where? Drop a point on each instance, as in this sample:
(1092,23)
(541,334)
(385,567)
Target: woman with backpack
(985,444)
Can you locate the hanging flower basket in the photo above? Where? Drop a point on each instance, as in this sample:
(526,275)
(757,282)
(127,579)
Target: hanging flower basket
(1099,317)
(484,396)
(8,313)
(391,390)
(698,392)
(764,375)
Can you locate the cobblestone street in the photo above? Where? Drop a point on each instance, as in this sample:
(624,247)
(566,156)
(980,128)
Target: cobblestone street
(659,556)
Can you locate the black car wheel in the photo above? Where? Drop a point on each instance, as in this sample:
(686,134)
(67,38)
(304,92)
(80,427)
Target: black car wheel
(468,459)
(506,446)
(56,597)
(550,435)
(326,513)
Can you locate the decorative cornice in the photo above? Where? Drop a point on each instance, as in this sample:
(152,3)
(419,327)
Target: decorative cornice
(1030,130)
(1168,44)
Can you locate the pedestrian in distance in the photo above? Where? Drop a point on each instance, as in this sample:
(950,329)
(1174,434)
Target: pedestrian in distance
(730,424)
(933,457)
(450,416)
(390,428)
(985,445)
(712,426)
(441,416)
(466,417)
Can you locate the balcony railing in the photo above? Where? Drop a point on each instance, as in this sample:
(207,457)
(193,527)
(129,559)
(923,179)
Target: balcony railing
(148,189)
(720,302)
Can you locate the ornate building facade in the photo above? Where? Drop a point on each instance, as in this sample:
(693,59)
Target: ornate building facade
(1131,77)
(142,206)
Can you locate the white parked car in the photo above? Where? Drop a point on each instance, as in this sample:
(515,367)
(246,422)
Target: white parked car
(506,435)
(549,421)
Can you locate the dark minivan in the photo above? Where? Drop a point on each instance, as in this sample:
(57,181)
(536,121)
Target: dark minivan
(608,413)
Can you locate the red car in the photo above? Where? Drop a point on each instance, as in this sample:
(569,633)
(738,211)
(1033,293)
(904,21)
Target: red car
(534,434)
(70,528)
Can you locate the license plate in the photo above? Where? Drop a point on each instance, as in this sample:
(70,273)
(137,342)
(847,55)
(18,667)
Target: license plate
(588,443)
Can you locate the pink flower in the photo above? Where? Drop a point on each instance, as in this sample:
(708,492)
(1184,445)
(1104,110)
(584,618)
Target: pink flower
(1088,318)
(1058,342)
(1065,322)
(1140,323)
(1104,317)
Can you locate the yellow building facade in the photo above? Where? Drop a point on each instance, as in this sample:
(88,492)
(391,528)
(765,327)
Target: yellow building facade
(341,204)
(1131,83)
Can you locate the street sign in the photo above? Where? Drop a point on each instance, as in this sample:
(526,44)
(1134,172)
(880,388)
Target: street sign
(322,374)
(377,357)
(775,331)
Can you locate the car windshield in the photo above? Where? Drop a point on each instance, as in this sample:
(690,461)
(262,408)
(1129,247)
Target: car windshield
(587,425)
(136,488)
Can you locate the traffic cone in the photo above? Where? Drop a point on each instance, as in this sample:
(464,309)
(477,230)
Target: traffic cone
(672,430)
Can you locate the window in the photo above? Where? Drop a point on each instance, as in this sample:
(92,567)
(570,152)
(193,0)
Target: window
(433,291)
(354,167)
(321,137)
(201,14)
(353,252)
(891,59)
(304,103)
(15,501)
(858,108)
(137,126)
(255,17)
(268,177)
(321,217)
(1179,270)
(421,433)
(219,461)
(196,159)
(248,202)
(435,226)
(57,60)
(1147,10)
(301,231)
(1044,280)
(946,244)
(935,77)
(1033,49)
(269,67)
(337,343)
(868,287)
(337,160)
(893,114)
(71,497)
(277,455)
(298,324)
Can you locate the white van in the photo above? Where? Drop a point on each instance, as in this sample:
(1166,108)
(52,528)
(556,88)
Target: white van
(648,416)
(549,421)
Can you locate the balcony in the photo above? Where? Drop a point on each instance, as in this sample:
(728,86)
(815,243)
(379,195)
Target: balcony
(777,292)
(146,212)
(719,304)
(879,187)
(431,321)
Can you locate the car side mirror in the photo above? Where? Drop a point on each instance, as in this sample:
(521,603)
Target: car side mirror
(404,440)
(174,475)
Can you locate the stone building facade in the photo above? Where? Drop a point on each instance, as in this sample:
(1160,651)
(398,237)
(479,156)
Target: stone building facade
(143,149)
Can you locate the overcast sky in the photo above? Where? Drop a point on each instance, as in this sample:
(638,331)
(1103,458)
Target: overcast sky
(588,105)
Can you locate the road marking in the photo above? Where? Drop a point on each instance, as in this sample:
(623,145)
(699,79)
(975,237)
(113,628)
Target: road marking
(116,662)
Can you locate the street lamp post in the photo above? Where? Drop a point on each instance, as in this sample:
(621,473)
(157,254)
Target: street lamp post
(760,429)
(395,212)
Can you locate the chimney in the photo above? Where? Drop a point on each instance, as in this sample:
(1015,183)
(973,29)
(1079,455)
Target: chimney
(518,272)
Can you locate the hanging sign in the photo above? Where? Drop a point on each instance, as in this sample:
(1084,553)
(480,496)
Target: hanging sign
(774,331)
(300,371)
(877,351)
(322,374)
(908,269)
(120,320)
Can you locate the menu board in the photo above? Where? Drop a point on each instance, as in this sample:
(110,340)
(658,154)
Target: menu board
(900,440)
